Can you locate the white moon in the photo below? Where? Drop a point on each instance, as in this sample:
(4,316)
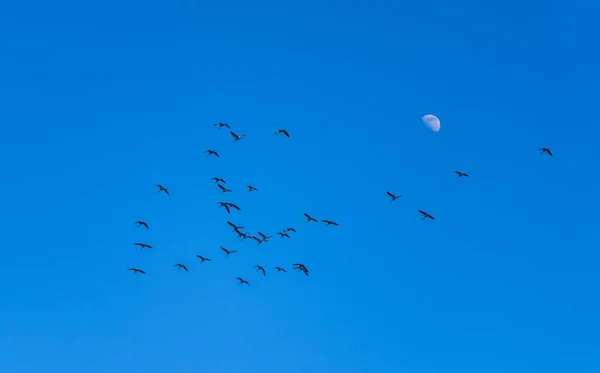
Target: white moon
(432,122)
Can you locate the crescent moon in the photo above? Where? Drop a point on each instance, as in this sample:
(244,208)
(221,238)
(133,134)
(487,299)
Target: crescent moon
(432,122)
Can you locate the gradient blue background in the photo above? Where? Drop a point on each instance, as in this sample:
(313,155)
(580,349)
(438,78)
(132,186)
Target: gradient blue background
(100,101)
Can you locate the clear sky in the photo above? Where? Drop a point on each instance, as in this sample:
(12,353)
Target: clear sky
(100,101)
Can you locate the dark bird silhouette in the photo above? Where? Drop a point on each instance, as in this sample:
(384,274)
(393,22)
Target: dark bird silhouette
(219,180)
(393,196)
(545,150)
(282,132)
(251,188)
(228,206)
(283,234)
(242,281)
(228,252)
(210,152)
(310,218)
(223,189)
(181,266)
(301,267)
(426,215)
(329,222)
(238,227)
(279,269)
(203,259)
(260,268)
(221,125)
(241,234)
(264,236)
(258,240)
(461,174)
(141,223)
(236,137)
(142,245)
(136,270)
(162,189)
(290,230)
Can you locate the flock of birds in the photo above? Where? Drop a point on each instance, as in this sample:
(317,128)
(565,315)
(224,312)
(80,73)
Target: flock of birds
(228,206)
(261,237)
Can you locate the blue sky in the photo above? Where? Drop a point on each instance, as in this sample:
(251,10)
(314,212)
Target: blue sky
(101,101)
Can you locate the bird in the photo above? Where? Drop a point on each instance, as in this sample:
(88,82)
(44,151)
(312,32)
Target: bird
(260,268)
(426,215)
(265,238)
(136,270)
(210,152)
(238,227)
(241,234)
(221,125)
(329,222)
(242,281)
(257,240)
(289,230)
(251,188)
(228,206)
(301,267)
(310,218)
(545,150)
(236,137)
(283,234)
(143,245)
(141,223)
(223,189)
(279,269)
(283,132)
(181,266)
(461,174)
(228,252)
(203,259)
(393,196)
(219,180)
(162,189)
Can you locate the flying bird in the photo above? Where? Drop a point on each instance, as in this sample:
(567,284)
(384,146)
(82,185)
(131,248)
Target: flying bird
(136,270)
(283,234)
(310,218)
(238,227)
(289,230)
(181,266)
(162,189)
(221,125)
(461,174)
(251,188)
(260,268)
(223,189)
(228,252)
(228,206)
(393,196)
(242,281)
(545,150)
(282,132)
(426,215)
(265,238)
(203,259)
(236,137)
(301,267)
(329,222)
(218,180)
(258,240)
(142,245)
(279,269)
(141,223)
(210,152)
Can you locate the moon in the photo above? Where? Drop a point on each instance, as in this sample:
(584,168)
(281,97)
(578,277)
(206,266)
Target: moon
(432,122)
